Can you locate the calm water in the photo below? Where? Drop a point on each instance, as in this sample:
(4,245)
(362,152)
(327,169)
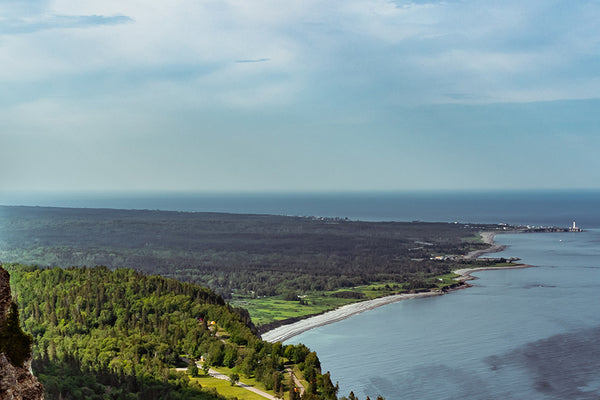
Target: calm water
(517,334)
(514,207)
(531,333)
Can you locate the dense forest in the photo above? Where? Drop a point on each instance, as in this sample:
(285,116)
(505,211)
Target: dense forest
(102,334)
(244,254)
(107,332)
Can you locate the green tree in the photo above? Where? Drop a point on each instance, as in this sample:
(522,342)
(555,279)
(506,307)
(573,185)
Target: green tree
(205,367)
(234,378)
(294,393)
(231,355)
(193,369)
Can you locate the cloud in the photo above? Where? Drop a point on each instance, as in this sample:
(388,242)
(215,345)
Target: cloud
(20,26)
(398,52)
(253,60)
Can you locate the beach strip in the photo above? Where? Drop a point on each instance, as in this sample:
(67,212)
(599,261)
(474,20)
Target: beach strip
(465,273)
(488,238)
(286,332)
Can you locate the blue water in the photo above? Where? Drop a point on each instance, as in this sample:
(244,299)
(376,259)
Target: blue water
(516,334)
(513,207)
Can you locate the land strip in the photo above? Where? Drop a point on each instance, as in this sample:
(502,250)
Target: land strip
(487,238)
(465,274)
(286,332)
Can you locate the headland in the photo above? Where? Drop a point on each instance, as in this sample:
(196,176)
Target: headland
(286,332)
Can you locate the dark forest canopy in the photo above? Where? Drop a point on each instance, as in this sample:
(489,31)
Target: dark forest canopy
(245,254)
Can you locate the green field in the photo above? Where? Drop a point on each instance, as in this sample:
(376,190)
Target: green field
(268,309)
(226,389)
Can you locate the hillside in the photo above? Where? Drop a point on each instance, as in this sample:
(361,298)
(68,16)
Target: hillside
(102,334)
(16,381)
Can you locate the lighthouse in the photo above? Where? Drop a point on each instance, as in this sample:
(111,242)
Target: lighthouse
(575,228)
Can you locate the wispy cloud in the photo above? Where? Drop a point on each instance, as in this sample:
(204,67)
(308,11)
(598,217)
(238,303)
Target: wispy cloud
(20,26)
(258,60)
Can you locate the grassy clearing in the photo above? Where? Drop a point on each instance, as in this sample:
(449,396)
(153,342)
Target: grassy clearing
(269,309)
(225,388)
(243,379)
(445,280)
(477,238)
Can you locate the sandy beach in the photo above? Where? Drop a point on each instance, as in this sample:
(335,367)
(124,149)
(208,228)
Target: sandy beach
(488,238)
(286,332)
(465,274)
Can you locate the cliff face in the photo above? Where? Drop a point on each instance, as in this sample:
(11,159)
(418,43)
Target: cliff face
(5,296)
(16,381)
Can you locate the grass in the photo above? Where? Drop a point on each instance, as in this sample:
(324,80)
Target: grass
(269,309)
(265,310)
(243,379)
(224,387)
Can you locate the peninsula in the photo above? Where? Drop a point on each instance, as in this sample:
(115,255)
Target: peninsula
(285,332)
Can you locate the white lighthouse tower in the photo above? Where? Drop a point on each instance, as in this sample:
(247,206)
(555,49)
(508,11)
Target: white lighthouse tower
(575,228)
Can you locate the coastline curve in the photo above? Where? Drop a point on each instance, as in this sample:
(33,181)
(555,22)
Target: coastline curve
(286,332)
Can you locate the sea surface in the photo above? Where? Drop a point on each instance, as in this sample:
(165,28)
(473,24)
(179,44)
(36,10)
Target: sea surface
(512,207)
(516,334)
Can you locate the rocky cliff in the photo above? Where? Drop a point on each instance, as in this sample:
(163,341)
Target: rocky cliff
(16,380)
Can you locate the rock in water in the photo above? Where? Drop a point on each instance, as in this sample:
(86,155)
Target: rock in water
(16,381)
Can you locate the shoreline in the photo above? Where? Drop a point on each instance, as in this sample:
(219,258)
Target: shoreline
(487,238)
(465,273)
(285,332)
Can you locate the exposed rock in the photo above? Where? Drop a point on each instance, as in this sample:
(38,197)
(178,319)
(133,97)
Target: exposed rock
(5,295)
(16,382)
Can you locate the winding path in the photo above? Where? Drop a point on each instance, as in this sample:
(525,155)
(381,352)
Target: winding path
(296,381)
(218,375)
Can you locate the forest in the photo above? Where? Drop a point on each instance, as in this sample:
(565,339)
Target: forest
(118,334)
(233,254)
(140,287)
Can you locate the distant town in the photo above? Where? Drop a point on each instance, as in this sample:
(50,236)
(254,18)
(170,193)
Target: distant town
(572,228)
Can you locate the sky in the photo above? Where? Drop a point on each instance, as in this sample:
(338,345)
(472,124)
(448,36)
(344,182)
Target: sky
(265,95)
